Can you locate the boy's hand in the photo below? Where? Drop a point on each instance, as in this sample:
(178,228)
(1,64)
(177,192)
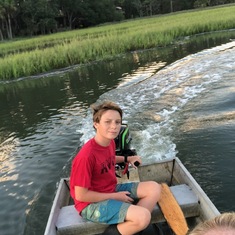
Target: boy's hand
(124,196)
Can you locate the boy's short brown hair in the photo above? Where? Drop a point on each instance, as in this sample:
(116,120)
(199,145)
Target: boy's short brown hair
(98,110)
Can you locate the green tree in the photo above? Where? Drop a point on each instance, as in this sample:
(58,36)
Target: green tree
(7,10)
(39,16)
(148,7)
(151,7)
(79,13)
(97,12)
(133,9)
(1,22)
(30,17)
(201,3)
(70,11)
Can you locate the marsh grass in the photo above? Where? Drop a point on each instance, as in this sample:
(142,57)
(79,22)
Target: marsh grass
(45,53)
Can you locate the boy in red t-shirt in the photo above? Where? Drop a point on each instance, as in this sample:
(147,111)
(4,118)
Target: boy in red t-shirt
(93,182)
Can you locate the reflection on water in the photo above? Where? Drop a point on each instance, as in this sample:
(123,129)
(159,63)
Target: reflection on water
(141,74)
(7,165)
(43,120)
(209,121)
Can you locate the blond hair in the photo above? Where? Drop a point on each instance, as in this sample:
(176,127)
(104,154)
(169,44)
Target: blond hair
(225,221)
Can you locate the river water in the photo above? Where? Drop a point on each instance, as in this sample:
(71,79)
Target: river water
(178,101)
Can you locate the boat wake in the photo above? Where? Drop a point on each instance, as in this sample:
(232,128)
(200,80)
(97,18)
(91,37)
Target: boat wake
(151,106)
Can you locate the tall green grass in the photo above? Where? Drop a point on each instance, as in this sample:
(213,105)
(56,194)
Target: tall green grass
(45,53)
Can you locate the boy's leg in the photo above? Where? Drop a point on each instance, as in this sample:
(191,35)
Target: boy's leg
(130,219)
(136,220)
(149,194)
(108,212)
(124,218)
(138,217)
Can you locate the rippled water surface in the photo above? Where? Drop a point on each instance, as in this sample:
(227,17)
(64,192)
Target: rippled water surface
(177,101)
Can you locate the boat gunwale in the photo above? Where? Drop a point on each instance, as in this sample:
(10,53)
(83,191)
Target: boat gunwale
(178,172)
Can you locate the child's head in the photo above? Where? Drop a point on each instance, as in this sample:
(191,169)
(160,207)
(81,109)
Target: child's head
(99,110)
(223,224)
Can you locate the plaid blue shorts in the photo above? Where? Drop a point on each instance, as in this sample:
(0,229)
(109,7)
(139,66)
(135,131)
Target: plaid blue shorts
(111,211)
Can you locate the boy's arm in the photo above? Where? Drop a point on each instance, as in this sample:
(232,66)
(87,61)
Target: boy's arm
(130,159)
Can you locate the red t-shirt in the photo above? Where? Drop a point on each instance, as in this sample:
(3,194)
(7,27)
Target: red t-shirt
(93,168)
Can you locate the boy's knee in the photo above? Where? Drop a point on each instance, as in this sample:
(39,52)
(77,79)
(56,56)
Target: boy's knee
(155,189)
(144,218)
(158,189)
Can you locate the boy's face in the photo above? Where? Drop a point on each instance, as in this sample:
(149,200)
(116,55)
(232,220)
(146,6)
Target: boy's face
(109,125)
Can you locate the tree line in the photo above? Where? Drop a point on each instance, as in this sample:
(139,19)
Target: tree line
(36,17)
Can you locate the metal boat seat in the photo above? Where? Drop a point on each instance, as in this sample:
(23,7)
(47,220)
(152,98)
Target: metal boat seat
(69,222)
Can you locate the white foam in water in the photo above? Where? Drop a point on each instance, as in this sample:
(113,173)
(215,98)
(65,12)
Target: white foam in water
(150,107)
(86,128)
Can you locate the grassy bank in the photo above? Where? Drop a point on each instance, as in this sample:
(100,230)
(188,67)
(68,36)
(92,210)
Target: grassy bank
(41,54)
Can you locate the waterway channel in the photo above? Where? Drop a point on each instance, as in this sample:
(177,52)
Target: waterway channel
(177,101)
